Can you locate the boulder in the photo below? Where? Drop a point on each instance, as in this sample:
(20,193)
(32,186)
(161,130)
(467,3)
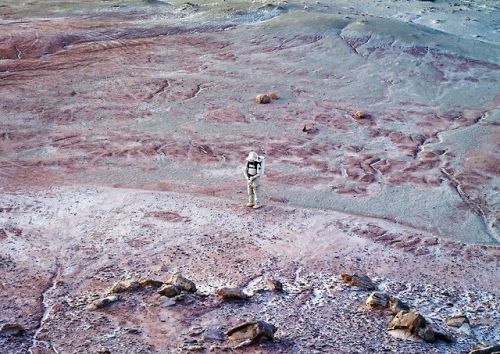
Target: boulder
(408,320)
(263,99)
(169,290)
(145,282)
(358,280)
(412,325)
(378,300)
(273,284)
(182,283)
(125,285)
(103,302)
(485,349)
(250,332)
(11,329)
(231,294)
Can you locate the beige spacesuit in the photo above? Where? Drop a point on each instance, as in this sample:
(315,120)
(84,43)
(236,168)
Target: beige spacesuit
(254,169)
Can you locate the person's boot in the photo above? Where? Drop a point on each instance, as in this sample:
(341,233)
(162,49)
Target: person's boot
(249,204)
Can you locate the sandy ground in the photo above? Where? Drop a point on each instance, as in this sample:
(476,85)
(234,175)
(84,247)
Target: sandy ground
(123,128)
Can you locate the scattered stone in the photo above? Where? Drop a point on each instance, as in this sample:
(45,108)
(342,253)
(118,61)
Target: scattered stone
(378,300)
(231,294)
(412,325)
(105,301)
(182,283)
(250,332)
(358,280)
(145,282)
(457,320)
(274,284)
(169,290)
(263,99)
(122,286)
(480,349)
(12,329)
(359,115)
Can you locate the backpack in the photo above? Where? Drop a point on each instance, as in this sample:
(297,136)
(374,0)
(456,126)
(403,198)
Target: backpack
(262,164)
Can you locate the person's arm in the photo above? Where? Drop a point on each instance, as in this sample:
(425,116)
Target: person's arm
(245,172)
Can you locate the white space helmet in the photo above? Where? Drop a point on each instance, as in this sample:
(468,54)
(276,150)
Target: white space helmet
(252,156)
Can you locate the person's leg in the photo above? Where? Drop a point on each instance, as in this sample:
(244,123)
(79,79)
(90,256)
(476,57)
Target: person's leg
(250,195)
(255,186)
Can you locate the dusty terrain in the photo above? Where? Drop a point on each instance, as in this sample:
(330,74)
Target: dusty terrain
(123,128)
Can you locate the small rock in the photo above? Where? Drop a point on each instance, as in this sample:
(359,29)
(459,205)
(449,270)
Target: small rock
(311,129)
(359,115)
(274,284)
(378,300)
(231,294)
(263,99)
(457,320)
(358,280)
(195,348)
(105,301)
(145,282)
(167,301)
(479,349)
(272,95)
(169,290)
(250,332)
(12,329)
(213,335)
(122,286)
(426,333)
(396,305)
(181,282)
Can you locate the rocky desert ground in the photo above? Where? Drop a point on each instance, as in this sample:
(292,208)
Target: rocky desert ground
(124,126)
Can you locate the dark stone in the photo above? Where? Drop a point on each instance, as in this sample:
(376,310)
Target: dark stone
(250,332)
(169,290)
(358,280)
(12,329)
